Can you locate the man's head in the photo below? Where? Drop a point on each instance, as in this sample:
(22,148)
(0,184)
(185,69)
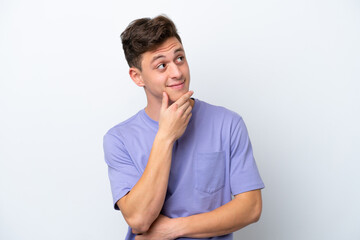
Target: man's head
(145,34)
(156,57)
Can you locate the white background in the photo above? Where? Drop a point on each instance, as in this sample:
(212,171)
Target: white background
(290,68)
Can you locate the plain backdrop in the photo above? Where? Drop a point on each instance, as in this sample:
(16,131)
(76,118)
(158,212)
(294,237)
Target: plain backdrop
(290,68)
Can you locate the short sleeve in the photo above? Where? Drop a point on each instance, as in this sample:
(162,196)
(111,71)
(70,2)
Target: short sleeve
(123,174)
(244,174)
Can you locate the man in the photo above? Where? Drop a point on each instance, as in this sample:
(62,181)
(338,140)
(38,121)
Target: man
(175,165)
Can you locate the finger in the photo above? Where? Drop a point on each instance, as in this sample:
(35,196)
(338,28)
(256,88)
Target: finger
(188,111)
(165,101)
(184,98)
(188,118)
(184,107)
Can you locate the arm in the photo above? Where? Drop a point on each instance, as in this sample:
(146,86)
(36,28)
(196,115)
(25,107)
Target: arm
(243,210)
(142,205)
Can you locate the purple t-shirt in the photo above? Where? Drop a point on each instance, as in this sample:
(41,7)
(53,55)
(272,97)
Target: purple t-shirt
(211,161)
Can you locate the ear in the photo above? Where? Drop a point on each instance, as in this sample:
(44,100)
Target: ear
(136,76)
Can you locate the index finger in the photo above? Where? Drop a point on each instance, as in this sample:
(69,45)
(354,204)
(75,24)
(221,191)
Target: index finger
(184,98)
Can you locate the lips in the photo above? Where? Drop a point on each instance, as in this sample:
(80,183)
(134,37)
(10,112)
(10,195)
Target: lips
(179,84)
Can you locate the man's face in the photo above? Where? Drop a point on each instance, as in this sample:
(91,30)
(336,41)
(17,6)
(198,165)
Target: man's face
(165,69)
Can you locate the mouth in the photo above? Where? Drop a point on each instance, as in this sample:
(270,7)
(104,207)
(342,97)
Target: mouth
(178,85)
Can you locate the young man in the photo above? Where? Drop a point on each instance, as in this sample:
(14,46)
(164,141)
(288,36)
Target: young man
(175,165)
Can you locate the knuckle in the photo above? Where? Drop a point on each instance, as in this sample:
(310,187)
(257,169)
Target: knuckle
(175,106)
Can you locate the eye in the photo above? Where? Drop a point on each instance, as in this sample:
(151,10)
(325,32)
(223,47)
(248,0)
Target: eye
(161,66)
(180,59)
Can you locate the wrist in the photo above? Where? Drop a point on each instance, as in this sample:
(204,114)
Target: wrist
(180,227)
(164,138)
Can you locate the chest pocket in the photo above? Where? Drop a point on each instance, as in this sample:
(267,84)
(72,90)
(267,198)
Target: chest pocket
(209,170)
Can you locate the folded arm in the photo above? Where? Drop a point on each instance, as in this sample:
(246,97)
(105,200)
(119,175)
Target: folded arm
(243,210)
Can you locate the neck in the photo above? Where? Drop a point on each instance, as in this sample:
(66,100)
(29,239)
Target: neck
(153,109)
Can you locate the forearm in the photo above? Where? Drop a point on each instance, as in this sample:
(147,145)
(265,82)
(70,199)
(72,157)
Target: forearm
(238,213)
(142,205)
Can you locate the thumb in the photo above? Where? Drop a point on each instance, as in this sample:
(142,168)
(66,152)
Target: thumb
(165,101)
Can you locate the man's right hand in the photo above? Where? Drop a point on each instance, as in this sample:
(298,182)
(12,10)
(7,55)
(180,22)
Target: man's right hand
(174,118)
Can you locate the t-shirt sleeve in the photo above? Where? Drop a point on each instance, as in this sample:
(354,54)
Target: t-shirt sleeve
(123,174)
(244,174)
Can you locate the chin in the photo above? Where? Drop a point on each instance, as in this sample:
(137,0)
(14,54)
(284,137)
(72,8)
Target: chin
(174,96)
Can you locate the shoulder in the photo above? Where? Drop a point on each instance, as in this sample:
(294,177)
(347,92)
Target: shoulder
(123,127)
(217,112)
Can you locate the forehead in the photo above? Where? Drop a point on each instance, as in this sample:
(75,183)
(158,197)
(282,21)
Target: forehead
(170,46)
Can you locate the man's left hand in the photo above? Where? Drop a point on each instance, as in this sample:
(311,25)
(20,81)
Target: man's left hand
(163,228)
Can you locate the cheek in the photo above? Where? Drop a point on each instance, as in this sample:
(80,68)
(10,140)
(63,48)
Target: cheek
(161,81)
(155,79)
(186,69)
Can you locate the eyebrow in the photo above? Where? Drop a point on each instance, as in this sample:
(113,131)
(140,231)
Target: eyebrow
(180,49)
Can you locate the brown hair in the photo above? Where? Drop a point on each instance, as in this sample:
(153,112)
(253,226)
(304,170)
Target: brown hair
(145,34)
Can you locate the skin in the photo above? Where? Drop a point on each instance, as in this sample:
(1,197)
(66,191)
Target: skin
(169,103)
(162,69)
(165,77)
(243,210)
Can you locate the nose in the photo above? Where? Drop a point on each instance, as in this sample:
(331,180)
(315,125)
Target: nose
(174,71)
